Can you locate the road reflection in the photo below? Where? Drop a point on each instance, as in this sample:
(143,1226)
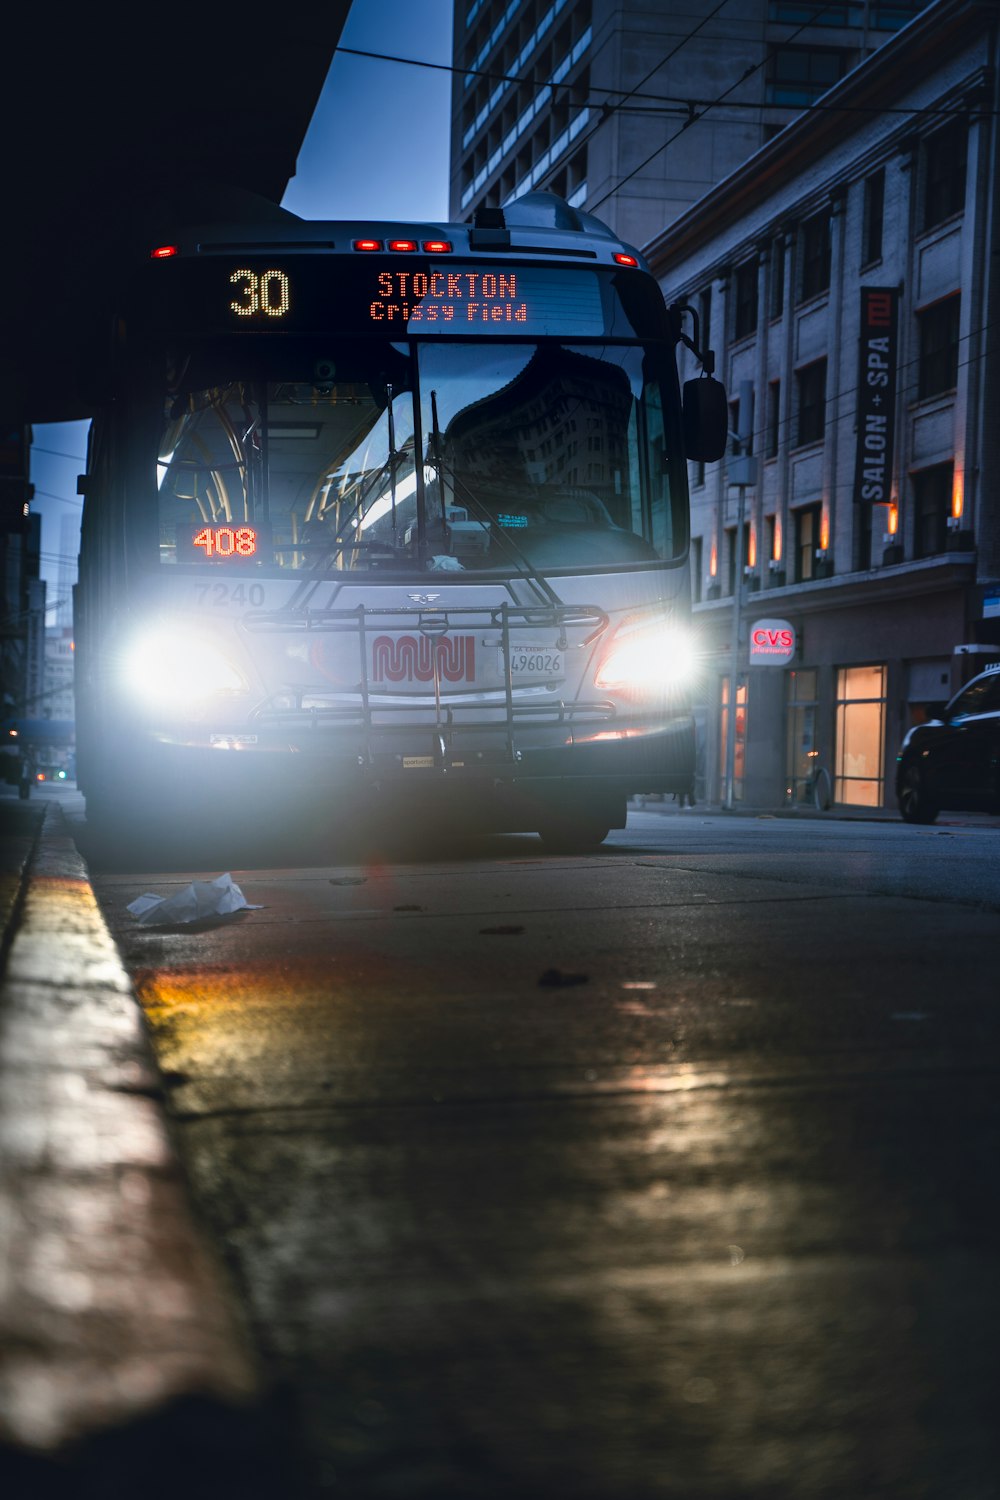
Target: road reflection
(492,1264)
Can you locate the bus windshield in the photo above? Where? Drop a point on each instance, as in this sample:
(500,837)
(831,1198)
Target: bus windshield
(422,456)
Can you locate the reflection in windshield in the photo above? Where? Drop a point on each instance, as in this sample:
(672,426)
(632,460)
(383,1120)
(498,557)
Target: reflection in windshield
(496,456)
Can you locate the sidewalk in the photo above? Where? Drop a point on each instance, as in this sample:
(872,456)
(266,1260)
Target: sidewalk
(124,1367)
(838,814)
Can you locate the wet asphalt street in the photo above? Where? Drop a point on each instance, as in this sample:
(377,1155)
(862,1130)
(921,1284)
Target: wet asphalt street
(667,1171)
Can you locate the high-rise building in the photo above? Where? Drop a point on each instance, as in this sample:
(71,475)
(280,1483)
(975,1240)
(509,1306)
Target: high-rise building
(58,695)
(19,533)
(69,547)
(634,112)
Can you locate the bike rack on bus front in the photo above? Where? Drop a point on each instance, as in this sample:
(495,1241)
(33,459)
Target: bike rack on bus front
(370,715)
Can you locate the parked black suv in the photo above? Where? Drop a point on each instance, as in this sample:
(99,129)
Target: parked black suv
(953,760)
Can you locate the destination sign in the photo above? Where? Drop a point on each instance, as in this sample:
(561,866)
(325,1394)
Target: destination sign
(268,293)
(342,295)
(439,296)
(537,300)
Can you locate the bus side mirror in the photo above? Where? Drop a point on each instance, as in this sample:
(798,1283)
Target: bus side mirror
(706,419)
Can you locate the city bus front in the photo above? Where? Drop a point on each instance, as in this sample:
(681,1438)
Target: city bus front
(398,520)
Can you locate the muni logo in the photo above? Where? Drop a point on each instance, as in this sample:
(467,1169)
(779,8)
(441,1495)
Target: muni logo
(410,658)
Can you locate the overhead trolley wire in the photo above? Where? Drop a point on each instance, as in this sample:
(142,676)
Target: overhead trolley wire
(64,499)
(694,116)
(607,109)
(669,102)
(693,109)
(943,111)
(57,453)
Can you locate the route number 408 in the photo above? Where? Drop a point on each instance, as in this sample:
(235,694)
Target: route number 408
(226,541)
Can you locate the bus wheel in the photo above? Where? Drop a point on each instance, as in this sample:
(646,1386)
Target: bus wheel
(577,827)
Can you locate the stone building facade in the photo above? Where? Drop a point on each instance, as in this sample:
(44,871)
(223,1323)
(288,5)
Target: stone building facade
(846,275)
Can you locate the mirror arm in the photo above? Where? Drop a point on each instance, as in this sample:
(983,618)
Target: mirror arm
(705,357)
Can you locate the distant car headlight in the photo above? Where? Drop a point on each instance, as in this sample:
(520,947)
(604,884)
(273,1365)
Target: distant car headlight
(649,660)
(179,669)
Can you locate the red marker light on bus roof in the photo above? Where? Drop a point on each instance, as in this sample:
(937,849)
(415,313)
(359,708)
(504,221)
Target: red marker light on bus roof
(625,260)
(437,247)
(163,252)
(402,244)
(367,244)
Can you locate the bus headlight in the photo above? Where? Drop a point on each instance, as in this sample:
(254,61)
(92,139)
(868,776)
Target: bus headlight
(178,669)
(649,660)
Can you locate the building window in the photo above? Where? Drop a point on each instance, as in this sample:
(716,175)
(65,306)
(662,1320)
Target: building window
(746,299)
(892,15)
(815,12)
(696,563)
(945,157)
(938,367)
(777,279)
(576,172)
(705,317)
(736,558)
(874,215)
(815,261)
(865,538)
(801,753)
(859,757)
(739,740)
(773,418)
(931,508)
(736,448)
(808,522)
(798,75)
(811,391)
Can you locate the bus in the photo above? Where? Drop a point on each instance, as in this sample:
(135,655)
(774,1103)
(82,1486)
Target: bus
(392,512)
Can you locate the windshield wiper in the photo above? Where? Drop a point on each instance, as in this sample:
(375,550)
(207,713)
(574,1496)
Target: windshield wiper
(330,547)
(342,543)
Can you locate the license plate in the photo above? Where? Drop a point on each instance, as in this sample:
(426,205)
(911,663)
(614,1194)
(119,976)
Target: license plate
(543,662)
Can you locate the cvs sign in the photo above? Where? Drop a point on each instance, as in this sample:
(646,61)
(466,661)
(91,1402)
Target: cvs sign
(772,643)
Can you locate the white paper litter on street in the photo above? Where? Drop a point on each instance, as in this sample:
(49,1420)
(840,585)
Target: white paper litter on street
(220,897)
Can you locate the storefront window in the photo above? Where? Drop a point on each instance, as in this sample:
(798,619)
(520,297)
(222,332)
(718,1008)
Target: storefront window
(801,752)
(860,748)
(739,741)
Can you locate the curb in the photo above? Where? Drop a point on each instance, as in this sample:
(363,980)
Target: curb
(117,1323)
